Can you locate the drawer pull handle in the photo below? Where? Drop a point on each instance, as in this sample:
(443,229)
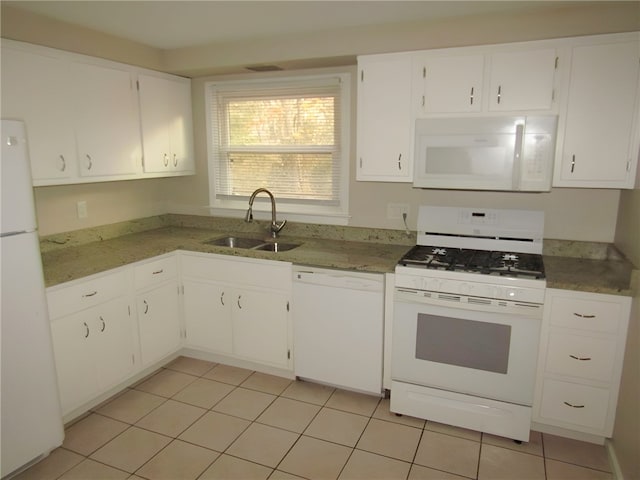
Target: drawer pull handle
(583,316)
(580,358)
(104,325)
(573,406)
(157,272)
(90,294)
(86,335)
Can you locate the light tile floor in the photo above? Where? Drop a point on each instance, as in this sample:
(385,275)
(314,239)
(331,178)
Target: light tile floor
(199,420)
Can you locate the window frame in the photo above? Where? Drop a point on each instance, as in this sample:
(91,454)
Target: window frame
(294,211)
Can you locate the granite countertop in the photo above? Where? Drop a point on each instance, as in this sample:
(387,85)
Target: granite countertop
(70,263)
(582,266)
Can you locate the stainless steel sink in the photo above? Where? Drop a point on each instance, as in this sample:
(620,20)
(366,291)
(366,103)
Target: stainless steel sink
(235,242)
(277,246)
(252,244)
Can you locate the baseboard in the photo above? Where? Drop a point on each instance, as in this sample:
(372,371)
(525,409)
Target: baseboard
(616,471)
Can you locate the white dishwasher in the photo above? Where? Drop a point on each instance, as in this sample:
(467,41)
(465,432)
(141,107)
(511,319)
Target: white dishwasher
(338,327)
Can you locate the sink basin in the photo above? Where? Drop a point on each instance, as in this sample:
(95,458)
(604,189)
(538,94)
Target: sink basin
(252,244)
(277,246)
(235,242)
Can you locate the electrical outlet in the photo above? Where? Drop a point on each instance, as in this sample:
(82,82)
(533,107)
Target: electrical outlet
(395,210)
(81,207)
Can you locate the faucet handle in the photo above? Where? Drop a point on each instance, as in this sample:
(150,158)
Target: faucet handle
(277,226)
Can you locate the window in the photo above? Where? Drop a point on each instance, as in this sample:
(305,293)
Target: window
(288,135)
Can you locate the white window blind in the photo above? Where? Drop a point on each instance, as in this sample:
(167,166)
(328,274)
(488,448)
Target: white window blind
(284,135)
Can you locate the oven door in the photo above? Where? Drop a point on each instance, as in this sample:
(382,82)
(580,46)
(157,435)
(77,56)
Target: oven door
(467,345)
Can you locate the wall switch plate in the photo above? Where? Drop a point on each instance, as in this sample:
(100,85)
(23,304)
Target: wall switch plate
(81,207)
(395,210)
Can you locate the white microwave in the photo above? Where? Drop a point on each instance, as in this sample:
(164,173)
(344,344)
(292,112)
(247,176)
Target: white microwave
(513,153)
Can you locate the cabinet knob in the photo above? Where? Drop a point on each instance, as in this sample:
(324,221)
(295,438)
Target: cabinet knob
(63,163)
(222,298)
(239,305)
(165,159)
(146,306)
(90,162)
(175,160)
(86,335)
(104,325)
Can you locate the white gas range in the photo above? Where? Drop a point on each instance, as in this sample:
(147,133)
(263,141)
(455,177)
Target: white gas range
(467,315)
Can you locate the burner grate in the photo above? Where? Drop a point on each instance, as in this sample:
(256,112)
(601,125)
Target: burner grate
(476,261)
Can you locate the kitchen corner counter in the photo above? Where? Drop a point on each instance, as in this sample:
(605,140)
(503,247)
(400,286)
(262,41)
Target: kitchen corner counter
(63,264)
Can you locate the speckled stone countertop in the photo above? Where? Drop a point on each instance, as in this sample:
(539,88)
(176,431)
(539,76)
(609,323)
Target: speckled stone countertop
(583,266)
(68,257)
(587,266)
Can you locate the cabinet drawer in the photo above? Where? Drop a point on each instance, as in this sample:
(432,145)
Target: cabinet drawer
(583,314)
(155,272)
(571,403)
(69,299)
(580,356)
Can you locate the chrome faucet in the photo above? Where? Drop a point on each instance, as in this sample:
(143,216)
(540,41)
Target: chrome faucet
(275,227)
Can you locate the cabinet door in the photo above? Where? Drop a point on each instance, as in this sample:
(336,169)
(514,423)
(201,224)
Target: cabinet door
(74,343)
(155,113)
(159,322)
(37,90)
(165,109)
(260,326)
(522,80)
(450,84)
(207,312)
(107,127)
(112,324)
(384,119)
(602,104)
(180,125)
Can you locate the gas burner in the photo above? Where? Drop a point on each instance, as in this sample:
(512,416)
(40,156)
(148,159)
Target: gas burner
(485,262)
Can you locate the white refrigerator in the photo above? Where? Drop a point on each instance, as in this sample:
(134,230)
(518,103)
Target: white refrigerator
(31,417)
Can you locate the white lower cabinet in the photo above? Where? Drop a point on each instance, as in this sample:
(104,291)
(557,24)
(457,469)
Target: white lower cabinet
(157,304)
(93,342)
(238,307)
(207,312)
(580,362)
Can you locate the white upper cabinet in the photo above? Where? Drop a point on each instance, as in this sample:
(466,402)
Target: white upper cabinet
(449,84)
(37,90)
(474,80)
(600,148)
(384,135)
(106,121)
(82,116)
(167,132)
(522,80)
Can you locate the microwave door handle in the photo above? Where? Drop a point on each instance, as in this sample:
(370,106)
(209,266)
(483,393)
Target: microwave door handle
(517,156)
